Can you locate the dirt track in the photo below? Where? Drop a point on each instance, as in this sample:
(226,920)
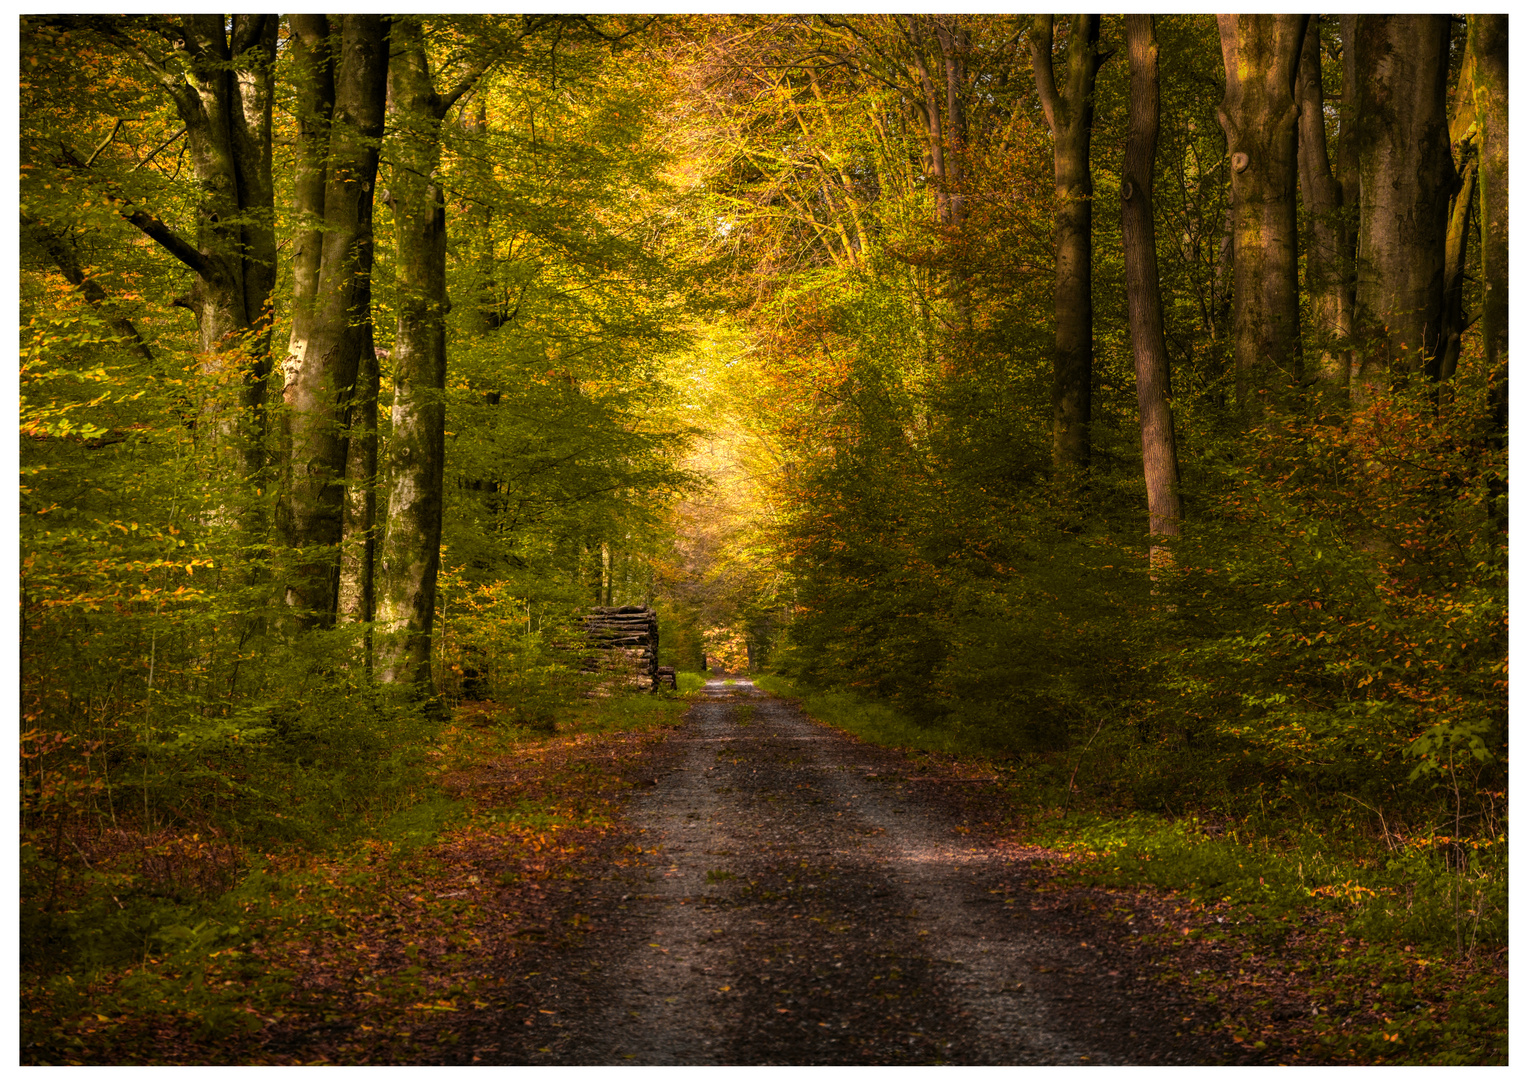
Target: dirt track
(804,898)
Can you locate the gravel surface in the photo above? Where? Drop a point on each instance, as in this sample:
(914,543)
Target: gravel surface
(804,898)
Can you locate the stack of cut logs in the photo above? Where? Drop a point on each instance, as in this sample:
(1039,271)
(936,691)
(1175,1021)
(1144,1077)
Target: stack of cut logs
(622,648)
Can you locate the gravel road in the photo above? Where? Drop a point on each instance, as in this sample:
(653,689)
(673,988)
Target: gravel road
(804,898)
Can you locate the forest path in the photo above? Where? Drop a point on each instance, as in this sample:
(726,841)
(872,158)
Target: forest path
(804,898)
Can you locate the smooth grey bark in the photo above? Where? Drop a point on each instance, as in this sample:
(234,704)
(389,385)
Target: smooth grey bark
(225,101)
(1445,361)
(1069,115)
(1462,135)
(1327,269)
(1143,290)
(311,70)
(1347,165)
(1406,174)
(1260,119)
(220,75)
(408,557)
(321,366)
(358,542)
(1487,44)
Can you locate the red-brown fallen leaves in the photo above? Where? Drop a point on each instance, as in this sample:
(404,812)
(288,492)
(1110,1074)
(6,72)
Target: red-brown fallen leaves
(359,957)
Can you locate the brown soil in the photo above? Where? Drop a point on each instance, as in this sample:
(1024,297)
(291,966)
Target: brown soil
(802,898)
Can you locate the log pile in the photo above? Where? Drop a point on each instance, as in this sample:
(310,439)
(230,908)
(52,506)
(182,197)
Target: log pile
(622,648)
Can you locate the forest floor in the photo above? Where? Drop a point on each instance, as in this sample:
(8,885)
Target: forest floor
(742,886)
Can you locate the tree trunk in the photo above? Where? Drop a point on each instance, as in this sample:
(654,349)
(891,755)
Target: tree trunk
(1069,115)
(253,47)
(1406,174)
(311,70)
(321,367)
(1260,119)
(1326,269)
(1443,364)
(1159,449)
(358,543)
(1488,50)
(220,73)
(227,117)
(409,560)
(1462,137)
(1347,171)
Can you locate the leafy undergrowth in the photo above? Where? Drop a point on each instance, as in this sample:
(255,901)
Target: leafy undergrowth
(370,953)
(1324,969)
(1308,947)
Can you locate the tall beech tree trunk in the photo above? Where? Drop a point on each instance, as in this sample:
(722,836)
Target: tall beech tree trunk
(1462,132)
(358,541)
(322,364)
(1327,268)
(1069,115)
(220,74)
(225,102)
(1445,361)
(408,560)
(1260,118)
(311,70)
(1488,48)
(1347,171)
(1406,174)
(1143,290)
(954,48)
(1487,44)
(313,73)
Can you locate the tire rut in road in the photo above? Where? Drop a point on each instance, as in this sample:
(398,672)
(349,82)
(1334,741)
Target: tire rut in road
(803,902)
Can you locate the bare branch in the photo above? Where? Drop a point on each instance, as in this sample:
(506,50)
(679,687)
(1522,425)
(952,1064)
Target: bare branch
(151,226)
(154,152)
(69,265)
(618,37)
(474,73)
(110,135)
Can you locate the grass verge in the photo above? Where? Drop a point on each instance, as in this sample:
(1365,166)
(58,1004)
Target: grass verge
(872,721)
